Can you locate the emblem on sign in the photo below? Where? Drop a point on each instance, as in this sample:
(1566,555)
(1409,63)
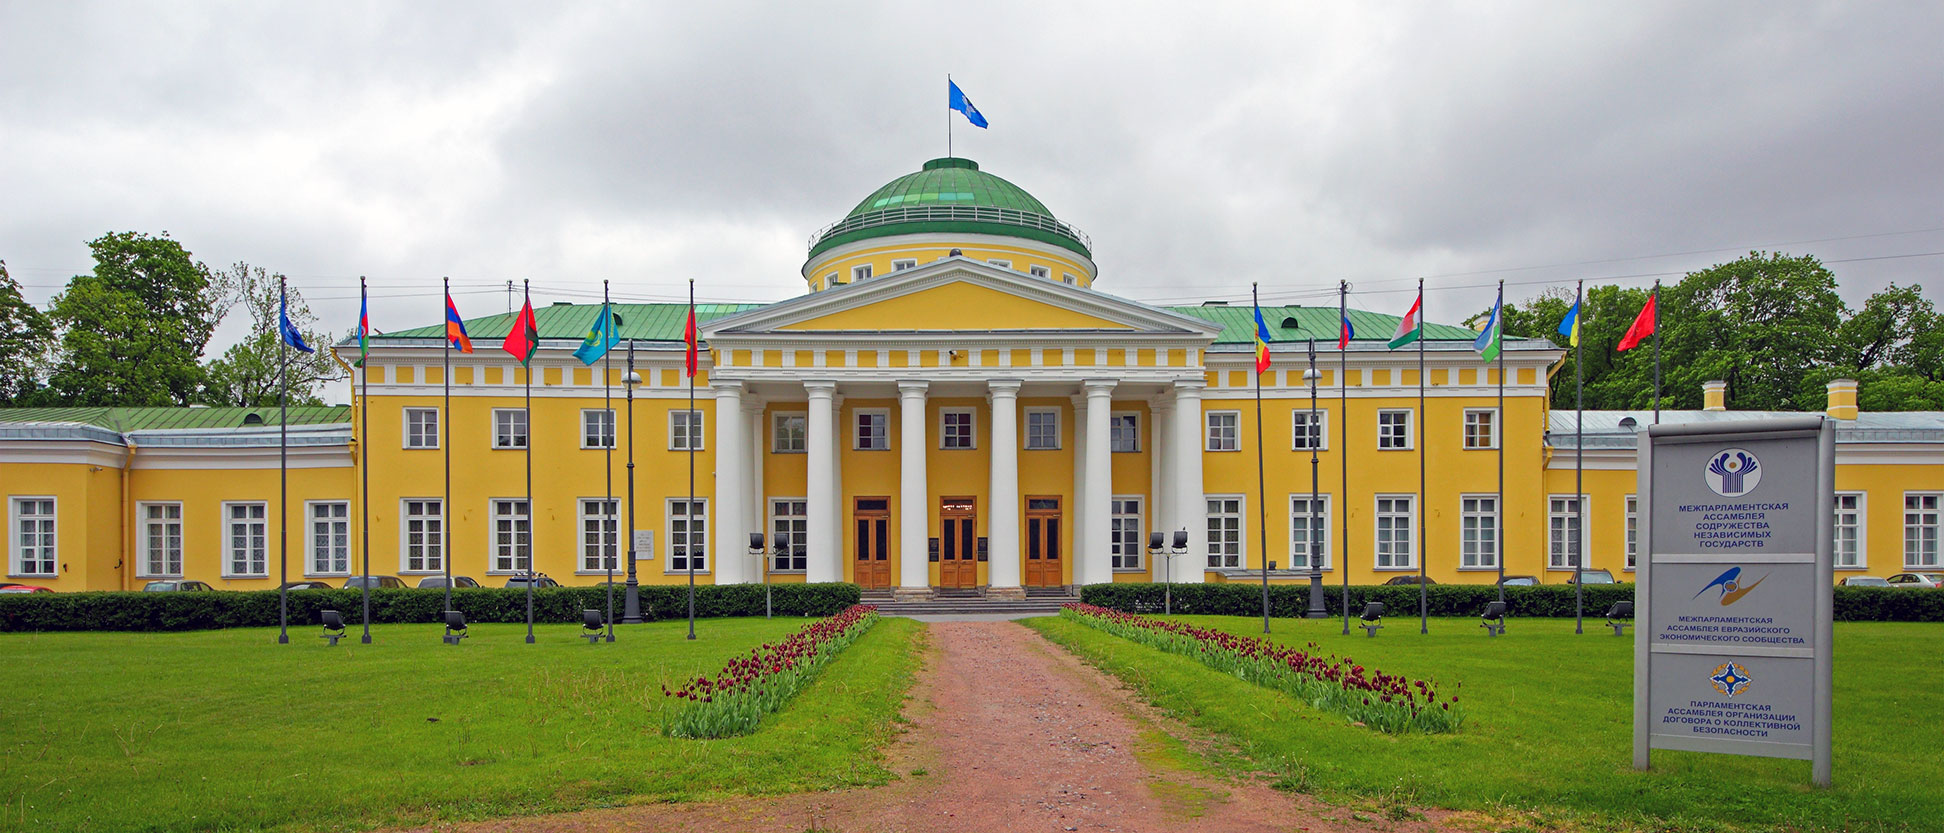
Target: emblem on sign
(1731,586)
(1733,472)
(1731,679)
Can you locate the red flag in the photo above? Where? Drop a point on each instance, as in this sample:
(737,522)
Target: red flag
(688,335)
(1643,325)
(524,340)
(456,327)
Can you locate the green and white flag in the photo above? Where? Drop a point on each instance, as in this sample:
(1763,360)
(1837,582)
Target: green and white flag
(1411,327)
(1489,341)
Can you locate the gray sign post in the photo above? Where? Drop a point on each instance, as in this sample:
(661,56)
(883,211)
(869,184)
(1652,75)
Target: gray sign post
(1734,592)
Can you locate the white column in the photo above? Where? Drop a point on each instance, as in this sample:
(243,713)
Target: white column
(1002,524)
(839,505)
(1161,500)
(821,525)
(731,534)
(914,495)
(1078,519)
(1191,503)
(756,509)
(1100,480)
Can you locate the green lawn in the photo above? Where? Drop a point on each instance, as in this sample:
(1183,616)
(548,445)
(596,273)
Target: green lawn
(1549,736)
(226,730)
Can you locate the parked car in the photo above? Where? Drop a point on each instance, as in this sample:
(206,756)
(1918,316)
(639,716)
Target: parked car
(1865,581)
(1410,580)
(374,582)
(538,580)
(305,585)
(1593,577)
(1927,580)
(440,581)
(175,586)
(23,588)
(1520,581)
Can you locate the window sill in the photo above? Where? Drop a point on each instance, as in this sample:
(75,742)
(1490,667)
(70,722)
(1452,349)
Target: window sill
(1491,569)
(1858,568)
(509,448)
(161,577)
(788,572)
(327,575)
(684,572)
(1041,448)
(419,448)
(1130,570)
(1405,448)
(885,448)
(788,451)
(600,448)
(1481,448)
(43,576)
(1411,569)
(230,577)
(1221,450)
(421,572)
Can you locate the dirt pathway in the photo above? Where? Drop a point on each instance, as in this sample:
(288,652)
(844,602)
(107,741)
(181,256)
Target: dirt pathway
(1010,733)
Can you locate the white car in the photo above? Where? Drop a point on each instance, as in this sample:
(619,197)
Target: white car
(1926,580)
(1865,581)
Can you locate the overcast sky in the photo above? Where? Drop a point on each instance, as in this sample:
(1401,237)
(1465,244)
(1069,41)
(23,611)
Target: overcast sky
(1203,147)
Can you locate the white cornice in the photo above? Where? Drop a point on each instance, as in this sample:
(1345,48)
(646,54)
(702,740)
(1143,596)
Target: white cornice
(205,457)
(78,452)
(927,241)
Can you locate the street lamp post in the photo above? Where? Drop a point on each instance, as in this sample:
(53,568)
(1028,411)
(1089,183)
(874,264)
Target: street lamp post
(1315,438)
(631,607)
(756,549)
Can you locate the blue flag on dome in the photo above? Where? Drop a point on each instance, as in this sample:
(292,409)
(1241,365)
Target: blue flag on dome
(956,100)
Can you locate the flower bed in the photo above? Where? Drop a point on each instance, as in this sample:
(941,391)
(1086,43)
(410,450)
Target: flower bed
(736,698)
(1366,696)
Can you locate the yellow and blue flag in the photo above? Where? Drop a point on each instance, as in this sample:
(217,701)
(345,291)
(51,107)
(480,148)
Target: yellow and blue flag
(601,337)
(1569,326)
(1262,342)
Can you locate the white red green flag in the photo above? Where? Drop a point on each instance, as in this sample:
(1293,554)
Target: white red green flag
(1411,327)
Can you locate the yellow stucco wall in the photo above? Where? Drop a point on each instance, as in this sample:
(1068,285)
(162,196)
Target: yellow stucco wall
(1022,255)
(956,306)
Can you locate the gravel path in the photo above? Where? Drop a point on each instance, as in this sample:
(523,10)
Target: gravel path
(1009,733)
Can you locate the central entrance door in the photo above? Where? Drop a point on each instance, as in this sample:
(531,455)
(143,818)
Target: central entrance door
(1043,542)
(958,545)
(872,518)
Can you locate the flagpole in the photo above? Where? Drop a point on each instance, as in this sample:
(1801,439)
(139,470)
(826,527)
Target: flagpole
(1424,620)
(1579,468)
(283,468)
(364,449)
(1343,453)
(688,440)
(1657,340)
(526,294)
(607,456)
(948,130)
(1262,497)
(445,420)
(1498,427)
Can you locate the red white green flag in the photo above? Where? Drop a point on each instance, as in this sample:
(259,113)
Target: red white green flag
(1411,327)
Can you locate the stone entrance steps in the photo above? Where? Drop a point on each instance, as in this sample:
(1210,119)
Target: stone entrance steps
(951,600)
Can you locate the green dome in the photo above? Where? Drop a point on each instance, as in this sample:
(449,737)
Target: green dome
(950,195)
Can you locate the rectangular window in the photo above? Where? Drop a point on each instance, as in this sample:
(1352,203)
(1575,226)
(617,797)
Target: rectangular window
(1633,530)
(1301,543)
(860,273)
(688,536)
(509,428)
(600,535)
(1224,532)
(1394,429)
(1223,430)
(246,544)
(1067,278)
(1565,541)
(901,265)
(1310,430)
(421,427)
(1124,432)
(1850,531)
(955,429)
(831,280)
(789,535)
(1042,429)
(1478,520)
(161,539)
(873,430)
(423,528)
(597,428)
(1039,271)
(1396,523)
(33,535)
(787,432)
(330,537)
(512,537)
(1125,533)
(1481,428)
(1920,530)
(685,430)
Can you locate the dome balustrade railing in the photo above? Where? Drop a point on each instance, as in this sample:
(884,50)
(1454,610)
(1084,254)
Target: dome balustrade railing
(951,213)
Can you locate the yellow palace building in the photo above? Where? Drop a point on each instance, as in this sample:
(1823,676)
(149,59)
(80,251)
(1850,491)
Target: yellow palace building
(952,404)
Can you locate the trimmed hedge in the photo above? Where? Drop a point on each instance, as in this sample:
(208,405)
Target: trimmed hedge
(137,611)
(1853,604)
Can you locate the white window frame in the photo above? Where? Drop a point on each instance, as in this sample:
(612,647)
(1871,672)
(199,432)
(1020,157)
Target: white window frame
(1026,438)
(1492,442)
(406,440)
(1410,540)
(311,520)
(1860,522)
(1117,527)
(503,558)
(883,416)
(504,418)
(1234,430)
(697,429)
(435,543)
(590,431)
(1218,561)
(1913,561)
(859,273)
(146,545)
(1114,418)
(701,519)
(903,263)
(1321,433)
(778,420)
(1487,521)
(1329,561)
(1632,531)
(831,280)
(50,554)
(1410,429)
(1553,557)
(589,528)
(1039,272)
(229,541)
(792,527)
(1068,279)
(971,434)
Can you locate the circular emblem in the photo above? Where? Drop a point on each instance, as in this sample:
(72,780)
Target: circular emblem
(1731,678)
(1733,472)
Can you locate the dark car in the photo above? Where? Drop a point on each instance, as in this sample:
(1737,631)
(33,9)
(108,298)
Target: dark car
(175,586)
(23,588)
(1410,580)
(536,580)
(306,585)
(373,582)
(1520,581)
(440,581)
(1592,577)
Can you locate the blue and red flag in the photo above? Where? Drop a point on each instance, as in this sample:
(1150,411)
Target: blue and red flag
(1346,333)
(456,327)
(1261,341)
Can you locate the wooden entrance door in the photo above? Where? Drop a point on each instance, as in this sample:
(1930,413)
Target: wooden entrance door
(958,545)
(871,519)
(1043,542)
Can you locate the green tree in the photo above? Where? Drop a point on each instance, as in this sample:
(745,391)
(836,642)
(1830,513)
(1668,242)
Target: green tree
(1881,332)
(246,373)
(133,332)
(25,338)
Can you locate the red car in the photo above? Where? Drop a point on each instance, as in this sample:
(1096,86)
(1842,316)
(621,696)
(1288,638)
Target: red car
(23,588)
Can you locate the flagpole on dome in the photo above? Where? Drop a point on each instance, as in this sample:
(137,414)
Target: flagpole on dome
(283,465)
(1262,496)
(1344,333)
(948,115)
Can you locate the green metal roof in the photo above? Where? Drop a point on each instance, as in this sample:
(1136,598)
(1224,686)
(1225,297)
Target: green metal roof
(148,419)
(645,322)
(950,195)
(1238,324)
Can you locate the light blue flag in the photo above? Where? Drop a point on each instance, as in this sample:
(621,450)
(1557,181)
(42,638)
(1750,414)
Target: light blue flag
(1491,340)
(601,337)
(956,100)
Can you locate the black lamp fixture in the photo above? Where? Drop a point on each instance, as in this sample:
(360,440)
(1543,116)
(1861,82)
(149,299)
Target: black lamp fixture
(333,625)
(455,627)
(593,626)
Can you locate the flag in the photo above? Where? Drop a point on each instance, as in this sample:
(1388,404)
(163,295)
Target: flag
(688,335)
(1643,325)
(601,337)
(1262,342)
(289,330)
(1491,340)
(955,99)
(456,327)
(1569,326)
(364,327)
(1411,327)
(524,340)
(1345,333)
